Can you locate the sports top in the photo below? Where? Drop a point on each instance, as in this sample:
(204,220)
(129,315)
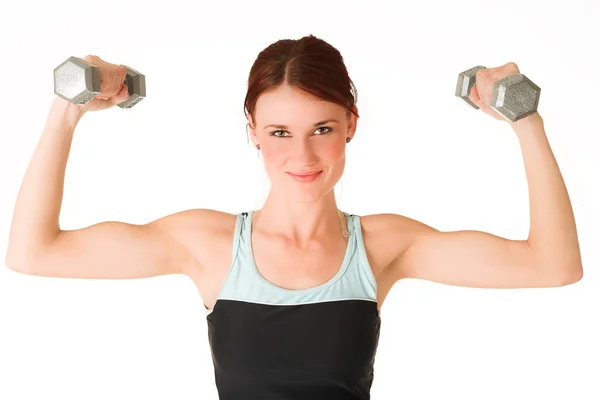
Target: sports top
(272,343)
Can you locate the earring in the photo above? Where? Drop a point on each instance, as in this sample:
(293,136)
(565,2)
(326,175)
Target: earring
(258,147)
(347,140)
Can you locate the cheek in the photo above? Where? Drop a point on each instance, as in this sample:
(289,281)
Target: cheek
(333,153)
(273,155)
(269,151)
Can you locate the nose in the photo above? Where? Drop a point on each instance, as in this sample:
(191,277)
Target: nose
(304,152)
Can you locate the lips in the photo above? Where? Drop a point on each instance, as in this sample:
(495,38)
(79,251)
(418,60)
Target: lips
(304,173)
(307,176)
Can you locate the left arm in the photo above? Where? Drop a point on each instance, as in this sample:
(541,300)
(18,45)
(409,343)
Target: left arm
(553,232)
(550,256)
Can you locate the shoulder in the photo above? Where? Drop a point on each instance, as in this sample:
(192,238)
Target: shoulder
(387,236)
(201,233)
(394,224)
(197,220)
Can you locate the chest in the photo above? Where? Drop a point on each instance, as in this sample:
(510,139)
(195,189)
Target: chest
(291,268)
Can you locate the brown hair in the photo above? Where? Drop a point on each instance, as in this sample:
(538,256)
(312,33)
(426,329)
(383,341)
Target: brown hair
(308,63)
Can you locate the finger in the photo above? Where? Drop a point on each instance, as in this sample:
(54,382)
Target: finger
(121,73)
(475,98)
(113,77)
(511,66)
(117,77)
(121,96)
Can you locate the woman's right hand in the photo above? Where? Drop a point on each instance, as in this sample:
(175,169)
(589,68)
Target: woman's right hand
(113,91)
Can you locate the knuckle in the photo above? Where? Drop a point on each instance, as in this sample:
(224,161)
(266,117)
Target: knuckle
(472,96)
(114,89)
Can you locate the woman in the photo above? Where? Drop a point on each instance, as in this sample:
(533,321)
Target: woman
(293,291)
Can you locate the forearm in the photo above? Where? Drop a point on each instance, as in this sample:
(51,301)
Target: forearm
(36,214)
(553,234)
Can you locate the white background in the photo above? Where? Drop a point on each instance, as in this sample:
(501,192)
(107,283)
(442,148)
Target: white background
(419,151)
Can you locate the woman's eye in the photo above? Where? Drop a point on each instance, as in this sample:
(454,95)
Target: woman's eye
(325,127)
(284,133)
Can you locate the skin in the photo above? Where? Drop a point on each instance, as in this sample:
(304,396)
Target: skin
(298,226)
(301,211)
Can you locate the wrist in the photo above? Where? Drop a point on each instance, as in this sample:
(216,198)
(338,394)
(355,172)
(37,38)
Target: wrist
(527,124)
(67,111)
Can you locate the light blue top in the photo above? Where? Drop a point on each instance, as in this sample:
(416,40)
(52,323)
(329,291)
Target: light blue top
(353,281)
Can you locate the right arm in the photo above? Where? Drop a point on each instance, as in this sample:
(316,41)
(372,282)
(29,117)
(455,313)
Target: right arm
(38,246)
(107,250)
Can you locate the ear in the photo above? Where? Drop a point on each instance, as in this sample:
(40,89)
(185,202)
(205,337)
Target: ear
(352,123)
(251,127)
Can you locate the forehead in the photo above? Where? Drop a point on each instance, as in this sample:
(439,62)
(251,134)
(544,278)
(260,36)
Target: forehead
(290,105)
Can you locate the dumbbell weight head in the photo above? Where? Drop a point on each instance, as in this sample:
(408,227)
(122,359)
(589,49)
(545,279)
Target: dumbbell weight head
(78,82)
(466,80)
(514,97)
(136,86)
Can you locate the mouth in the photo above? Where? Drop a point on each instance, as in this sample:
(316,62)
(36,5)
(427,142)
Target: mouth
(305,173)
(305,176)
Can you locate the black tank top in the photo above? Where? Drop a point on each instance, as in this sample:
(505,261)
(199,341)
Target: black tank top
(271,343)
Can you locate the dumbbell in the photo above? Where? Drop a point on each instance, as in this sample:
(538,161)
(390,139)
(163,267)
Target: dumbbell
(514,97)
(78,81)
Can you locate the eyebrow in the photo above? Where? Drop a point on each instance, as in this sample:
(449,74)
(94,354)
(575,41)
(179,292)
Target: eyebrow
(315,125)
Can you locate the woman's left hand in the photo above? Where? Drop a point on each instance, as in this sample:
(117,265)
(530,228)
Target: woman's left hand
(481,92)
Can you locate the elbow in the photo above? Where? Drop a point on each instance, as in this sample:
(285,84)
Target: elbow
(18,263)
(24,256)
(561,271)
(22,267)
(573,275)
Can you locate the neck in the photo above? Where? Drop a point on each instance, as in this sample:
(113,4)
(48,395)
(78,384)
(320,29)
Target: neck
(301,222)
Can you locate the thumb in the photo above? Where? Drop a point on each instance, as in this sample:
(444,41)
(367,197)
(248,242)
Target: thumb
(475,98)
(121,96)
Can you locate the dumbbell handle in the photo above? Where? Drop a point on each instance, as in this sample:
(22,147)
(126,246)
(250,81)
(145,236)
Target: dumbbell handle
(133,97)
(78,81)
(97,77)
(136,85)
(514,97)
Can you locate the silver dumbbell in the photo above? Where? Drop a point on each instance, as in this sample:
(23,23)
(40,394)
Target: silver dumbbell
(78,81)
(514,97)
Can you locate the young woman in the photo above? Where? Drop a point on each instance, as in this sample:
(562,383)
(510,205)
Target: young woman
(293,291)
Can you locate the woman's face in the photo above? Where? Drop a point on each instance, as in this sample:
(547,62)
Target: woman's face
(300,134)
